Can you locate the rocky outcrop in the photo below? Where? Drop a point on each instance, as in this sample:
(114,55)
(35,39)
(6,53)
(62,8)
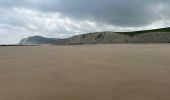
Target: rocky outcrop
(151,36)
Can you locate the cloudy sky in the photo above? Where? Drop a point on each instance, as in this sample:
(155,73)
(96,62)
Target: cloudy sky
(64,18)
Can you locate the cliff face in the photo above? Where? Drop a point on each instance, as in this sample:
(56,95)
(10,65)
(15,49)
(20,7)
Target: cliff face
(110,37)
(99,37)
(151,36)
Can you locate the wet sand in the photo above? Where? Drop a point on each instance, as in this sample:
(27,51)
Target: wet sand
(85,72)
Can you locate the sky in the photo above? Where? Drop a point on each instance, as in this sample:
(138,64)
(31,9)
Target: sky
(65,18)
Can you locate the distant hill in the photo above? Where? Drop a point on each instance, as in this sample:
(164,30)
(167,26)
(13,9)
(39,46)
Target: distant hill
(146,36)
(38,40)
(145,31)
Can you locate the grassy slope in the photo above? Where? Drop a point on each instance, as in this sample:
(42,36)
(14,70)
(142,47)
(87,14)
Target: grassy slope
(145,31)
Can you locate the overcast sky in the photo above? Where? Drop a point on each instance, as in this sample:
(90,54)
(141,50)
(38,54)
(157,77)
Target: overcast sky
(64,18)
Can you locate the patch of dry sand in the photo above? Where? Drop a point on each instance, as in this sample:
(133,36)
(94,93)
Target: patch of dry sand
(94,72)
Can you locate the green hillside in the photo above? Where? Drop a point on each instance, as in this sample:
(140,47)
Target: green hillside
(145,31)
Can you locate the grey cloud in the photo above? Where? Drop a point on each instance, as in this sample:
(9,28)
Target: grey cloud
(63,18)
(123,13)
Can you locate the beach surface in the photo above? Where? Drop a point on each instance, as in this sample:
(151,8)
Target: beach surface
(85,72)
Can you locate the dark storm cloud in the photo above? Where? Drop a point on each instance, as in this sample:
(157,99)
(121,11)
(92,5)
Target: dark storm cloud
(125,13)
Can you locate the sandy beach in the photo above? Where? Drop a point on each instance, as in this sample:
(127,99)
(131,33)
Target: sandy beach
(85,72)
